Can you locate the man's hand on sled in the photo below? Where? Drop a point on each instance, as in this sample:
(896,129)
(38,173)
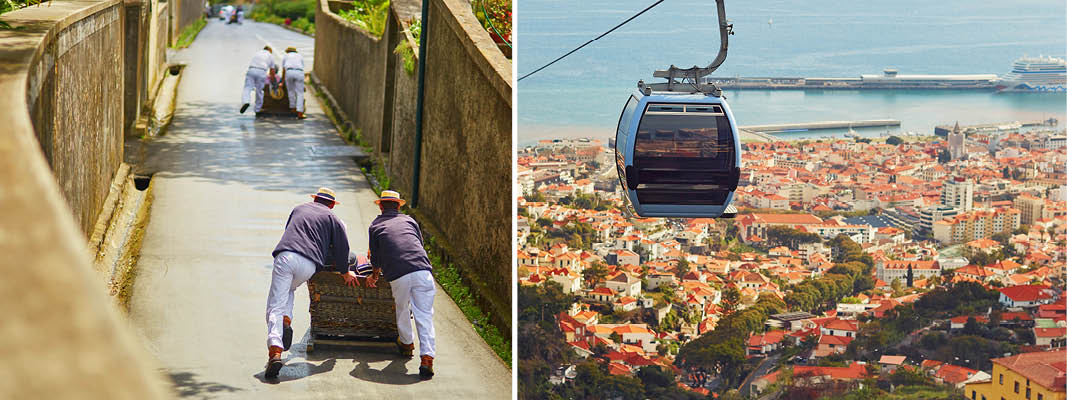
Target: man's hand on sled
(351,279)
(373,278)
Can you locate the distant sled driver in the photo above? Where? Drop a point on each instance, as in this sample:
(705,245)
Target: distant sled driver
(256,77)
(293,65)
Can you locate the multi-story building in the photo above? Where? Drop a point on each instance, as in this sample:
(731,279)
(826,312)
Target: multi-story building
(977,224)
(793,162)
(929,215)
(800,192)
(624,284)
(1026,376)
(956,143)
(1030,206)
(889,270)
(958,193)
(1048,142)
(1054,210)
(830,229)
(873,192)
(757,224)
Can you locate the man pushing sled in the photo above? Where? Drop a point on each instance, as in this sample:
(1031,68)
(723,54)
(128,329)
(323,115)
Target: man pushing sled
(284,88)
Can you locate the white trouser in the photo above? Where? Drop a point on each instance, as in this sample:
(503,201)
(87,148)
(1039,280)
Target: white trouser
(413,294)
(290,271)
(294,84)
(255,78)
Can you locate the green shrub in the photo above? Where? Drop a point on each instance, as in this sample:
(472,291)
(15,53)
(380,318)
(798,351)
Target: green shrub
(371,15)
(294,9)
(189,33)
(495,16)
(406,53)
(304,25)
(415,27)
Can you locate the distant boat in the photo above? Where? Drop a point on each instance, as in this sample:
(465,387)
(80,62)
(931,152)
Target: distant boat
(770,22)
(852,133)
(1035,74)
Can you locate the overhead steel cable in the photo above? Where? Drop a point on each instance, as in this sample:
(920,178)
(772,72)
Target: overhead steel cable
(593,40)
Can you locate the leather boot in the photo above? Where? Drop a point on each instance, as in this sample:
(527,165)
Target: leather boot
(406,350)
(426,367)
(287,333)
(274,363)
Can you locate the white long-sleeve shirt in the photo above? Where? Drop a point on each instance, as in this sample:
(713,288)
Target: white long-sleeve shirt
(263,60)
(293,61)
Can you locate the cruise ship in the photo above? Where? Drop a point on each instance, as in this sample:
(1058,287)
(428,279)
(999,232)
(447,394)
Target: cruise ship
(1035,74)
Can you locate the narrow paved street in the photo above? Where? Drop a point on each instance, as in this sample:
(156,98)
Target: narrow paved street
(762,369)
(224,184)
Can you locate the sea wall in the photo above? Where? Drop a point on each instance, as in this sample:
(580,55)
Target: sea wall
(61,92)
(465,169)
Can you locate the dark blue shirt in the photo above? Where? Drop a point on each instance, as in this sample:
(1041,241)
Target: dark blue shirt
(315,232)
(396,245)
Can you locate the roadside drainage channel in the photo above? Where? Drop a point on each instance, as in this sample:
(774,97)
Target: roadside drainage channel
(166,99)
(118,235)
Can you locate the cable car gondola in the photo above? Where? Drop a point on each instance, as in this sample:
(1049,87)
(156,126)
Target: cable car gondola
(678,154)
(677,149)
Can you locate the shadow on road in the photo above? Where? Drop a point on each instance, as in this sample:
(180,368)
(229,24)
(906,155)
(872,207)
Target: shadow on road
(368,360)
(300,370)
(212,141)
(187,385)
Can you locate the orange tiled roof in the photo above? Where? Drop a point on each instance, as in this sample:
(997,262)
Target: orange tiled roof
(954,374)
(798,219)
(1047,368)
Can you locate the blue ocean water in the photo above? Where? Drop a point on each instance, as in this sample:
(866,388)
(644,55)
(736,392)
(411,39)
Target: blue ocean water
(583,94)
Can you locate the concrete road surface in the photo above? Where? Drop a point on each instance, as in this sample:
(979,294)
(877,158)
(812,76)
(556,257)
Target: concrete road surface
(224,184)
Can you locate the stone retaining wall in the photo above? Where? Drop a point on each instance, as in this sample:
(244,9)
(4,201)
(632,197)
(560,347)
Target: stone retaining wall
(75,99)
(349,61)
(61,79)
(157,45)
(399,130)
(465,183)
(182,14)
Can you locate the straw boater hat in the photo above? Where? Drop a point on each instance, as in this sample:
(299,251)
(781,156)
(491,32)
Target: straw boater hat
(326,193)
(389,195)
(290,49)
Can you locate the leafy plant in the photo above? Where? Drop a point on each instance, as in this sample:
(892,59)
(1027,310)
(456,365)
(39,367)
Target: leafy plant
(369,15)
(189,33)
(405,52)
(299,13)
(294,10)
(304,25)
(415,27)
(12,5)
(495,16)
(447,275)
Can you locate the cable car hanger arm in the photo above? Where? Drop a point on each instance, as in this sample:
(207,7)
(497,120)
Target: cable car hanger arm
(676,76)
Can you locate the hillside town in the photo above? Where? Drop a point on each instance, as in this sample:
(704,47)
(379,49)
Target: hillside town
(855,267)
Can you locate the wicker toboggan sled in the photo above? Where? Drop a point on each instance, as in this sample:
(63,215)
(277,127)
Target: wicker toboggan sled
(342,315)
(276,98)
